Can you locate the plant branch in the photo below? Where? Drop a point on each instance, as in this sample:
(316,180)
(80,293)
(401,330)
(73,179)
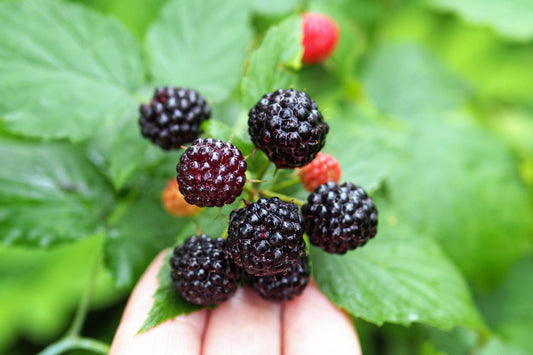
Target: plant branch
(269,193)
(263,171)
(287,183)
(83,307)
(75,342)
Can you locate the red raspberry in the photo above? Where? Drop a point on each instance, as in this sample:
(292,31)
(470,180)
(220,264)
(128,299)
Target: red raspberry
(175,203)
(320,37)
(324,168)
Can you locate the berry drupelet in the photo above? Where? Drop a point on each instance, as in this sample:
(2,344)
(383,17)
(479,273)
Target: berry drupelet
(266,237)
(338,218)
(202,270)
(211,173)
(173,117)
(283,286)
(288,127)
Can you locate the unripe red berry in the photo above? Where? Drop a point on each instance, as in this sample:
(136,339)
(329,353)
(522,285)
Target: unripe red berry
(324,168)
(320,37)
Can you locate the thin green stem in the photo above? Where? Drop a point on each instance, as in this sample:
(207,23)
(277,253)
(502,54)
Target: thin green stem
(75,342)
(72,339)
(288,183)
(83,307)
(269,193)
(253,193)
(263,171)
(122,207)
(225,234)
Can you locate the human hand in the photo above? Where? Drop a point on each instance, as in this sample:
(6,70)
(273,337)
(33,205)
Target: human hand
(244,324)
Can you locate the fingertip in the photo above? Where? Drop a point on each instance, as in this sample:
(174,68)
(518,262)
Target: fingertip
(312,324)
(183,332)
(244,324)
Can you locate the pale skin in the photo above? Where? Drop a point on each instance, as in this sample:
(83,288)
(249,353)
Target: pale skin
(245,324)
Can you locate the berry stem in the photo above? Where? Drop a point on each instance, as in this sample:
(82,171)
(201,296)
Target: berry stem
(253,193)
(83,307)
(72,339)
(269,193)
(71,343)
(255,180)
(225,234)
(263,171)
(287,183)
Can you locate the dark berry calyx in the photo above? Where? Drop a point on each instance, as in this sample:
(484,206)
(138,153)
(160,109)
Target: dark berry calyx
(211,173)
(202,270)
(288,127)
(266,237)
(338,218)
(173,117)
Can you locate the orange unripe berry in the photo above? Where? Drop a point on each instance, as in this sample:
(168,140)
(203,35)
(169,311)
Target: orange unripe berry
(175,203)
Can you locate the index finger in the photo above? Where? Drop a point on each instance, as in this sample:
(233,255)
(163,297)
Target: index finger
(313,325)
(181,335)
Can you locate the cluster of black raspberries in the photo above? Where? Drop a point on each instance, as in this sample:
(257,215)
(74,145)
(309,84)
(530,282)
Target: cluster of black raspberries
(264,238)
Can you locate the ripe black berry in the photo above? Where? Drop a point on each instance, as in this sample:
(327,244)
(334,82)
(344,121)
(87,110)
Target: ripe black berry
(211,173)
(173,117)
(288,127)
(339,218)
(266,237)
(283,286)
(202,270)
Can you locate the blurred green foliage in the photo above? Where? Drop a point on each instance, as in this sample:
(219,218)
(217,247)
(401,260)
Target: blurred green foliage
(430,105)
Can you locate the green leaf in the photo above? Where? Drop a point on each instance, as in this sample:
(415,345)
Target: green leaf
(49,193)
(200,44)
(457,341)
(362,12)
(274,7)
(219,130)
(494,66)
(399,278)
(134,14)
(498,347)
(167,303)
(374,149)
(127,150)
(461,186)
(408,82)
(508,309)
(273,63)
(138,230)
(511,19)
(465,341)
(516,127)
(64,69)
